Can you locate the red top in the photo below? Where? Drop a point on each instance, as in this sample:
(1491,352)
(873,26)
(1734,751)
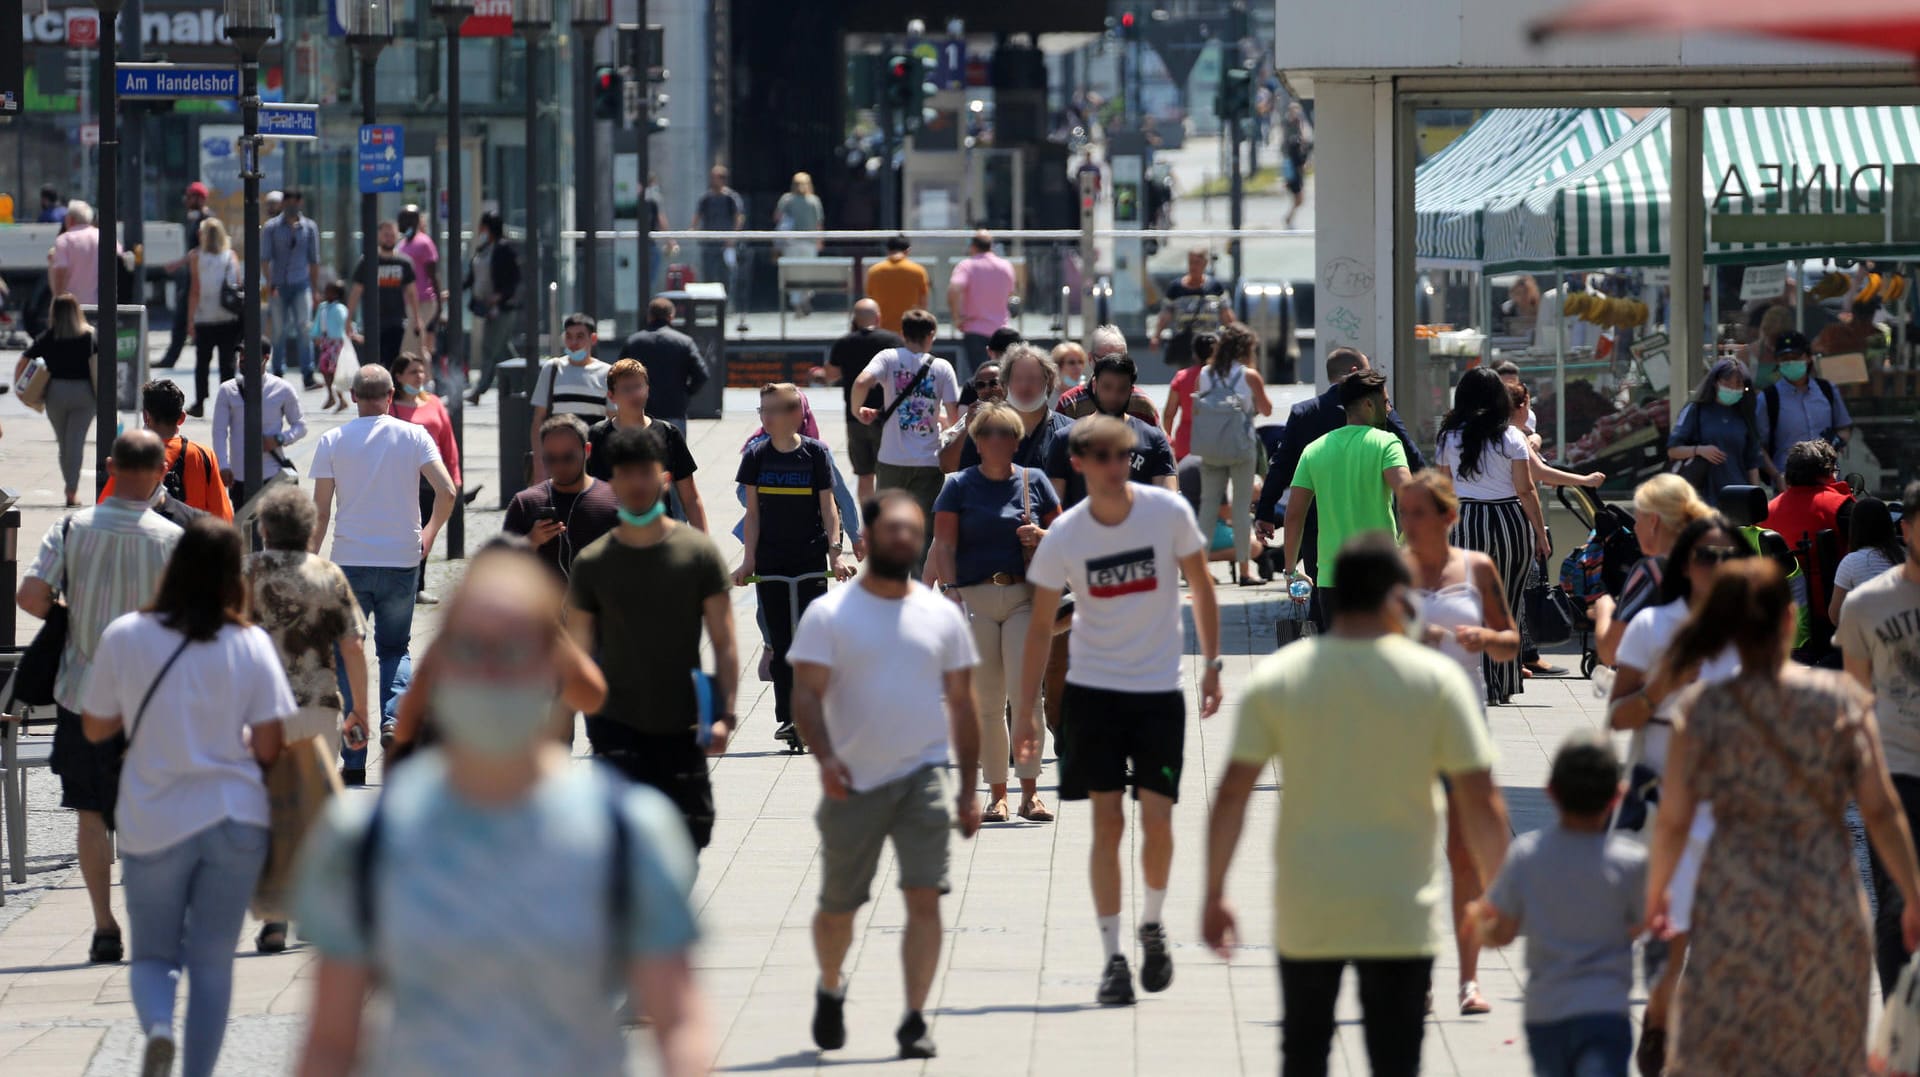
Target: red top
(1802,512)
(1183,386)
(432,414)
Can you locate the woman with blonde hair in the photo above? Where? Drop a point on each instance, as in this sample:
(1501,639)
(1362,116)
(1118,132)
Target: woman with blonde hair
(799,210)
(1662,507)
(213,268)
(67,350)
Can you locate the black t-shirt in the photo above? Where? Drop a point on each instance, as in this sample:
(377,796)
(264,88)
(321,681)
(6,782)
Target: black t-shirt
(396,278)
(793,535)
(850,355)
(679,460)
(1196,309)
(67,357)
(717,211)
(1152,459)
(587,515)
(194,217)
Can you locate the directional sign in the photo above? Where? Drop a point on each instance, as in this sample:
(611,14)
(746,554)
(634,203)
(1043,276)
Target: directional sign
(156,81)
(290,121)
(382,159)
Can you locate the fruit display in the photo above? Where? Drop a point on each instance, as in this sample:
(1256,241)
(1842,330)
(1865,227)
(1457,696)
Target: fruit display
(1605,311)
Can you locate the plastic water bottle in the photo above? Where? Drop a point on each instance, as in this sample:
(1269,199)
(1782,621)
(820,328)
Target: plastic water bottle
(1300,589)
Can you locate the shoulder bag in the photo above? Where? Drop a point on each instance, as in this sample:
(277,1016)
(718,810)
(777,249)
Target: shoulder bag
(1697,470)
(1550,613)
(39,665)
(232,300)
(902,395)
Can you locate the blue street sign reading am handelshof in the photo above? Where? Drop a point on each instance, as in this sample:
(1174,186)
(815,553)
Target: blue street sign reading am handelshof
(175,81)
(290,121)
(382,158)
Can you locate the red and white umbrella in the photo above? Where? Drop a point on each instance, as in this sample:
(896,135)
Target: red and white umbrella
(1879,24)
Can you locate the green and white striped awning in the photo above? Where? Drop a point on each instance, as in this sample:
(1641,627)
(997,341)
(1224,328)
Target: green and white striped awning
(1506,153)
(1613,209)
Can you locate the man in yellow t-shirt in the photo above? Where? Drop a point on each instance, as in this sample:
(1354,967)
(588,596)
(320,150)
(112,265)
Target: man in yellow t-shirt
(898,284)
(1363,721)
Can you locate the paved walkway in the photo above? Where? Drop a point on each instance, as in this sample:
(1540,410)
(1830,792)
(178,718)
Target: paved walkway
(1017,978)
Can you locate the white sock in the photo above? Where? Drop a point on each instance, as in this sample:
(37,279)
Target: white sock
(1110,934)
(838,992)
(1156,901)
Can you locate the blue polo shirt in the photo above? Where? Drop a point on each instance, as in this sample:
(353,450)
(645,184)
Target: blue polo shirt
(1805,415)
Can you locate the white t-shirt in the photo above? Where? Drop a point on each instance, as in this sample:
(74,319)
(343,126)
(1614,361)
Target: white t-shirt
(1646,640)
(1860,566)
(568,388)
(190,767)
(1127,632)
(1494,479)
(374,462)
(889,659)
(911,436)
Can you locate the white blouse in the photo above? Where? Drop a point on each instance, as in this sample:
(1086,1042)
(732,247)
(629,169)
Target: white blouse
(1494,479)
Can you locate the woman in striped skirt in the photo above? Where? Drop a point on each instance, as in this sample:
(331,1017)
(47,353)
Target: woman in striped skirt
(1500,513)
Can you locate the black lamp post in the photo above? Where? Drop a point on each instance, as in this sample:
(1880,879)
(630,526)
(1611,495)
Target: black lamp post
(534,20)
(369,30)
(589,18)
(452,334)
(249,25)
(106,213)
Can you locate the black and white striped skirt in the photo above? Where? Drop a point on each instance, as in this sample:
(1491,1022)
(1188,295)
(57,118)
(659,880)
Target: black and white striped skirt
(1500,530)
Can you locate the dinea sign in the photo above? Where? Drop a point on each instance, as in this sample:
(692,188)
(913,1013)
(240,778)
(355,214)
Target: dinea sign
(83,30)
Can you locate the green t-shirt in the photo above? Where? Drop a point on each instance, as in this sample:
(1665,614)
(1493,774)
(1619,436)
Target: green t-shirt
(647,605)
(1346,472)
(1356,865)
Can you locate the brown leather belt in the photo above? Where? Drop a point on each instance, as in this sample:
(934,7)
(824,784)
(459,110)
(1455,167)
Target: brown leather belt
(998,579)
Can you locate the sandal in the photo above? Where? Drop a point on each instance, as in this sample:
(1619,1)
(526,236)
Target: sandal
(1472,1001)
(1035,811)
(106,948)
(996,813)
(272,938)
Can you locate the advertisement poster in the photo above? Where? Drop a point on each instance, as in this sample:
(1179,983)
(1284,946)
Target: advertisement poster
(220,171)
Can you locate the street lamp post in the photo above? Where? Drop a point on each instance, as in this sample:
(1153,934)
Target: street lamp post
(249,25)
(533,19)
(589,18)
(453,333)
(369,30)
(107,212)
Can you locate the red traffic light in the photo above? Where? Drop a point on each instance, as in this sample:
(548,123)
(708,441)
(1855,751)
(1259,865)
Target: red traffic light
(605,81)
(899,70)
(1126,20)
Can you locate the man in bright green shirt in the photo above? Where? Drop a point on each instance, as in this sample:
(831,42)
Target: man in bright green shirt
(1351,474)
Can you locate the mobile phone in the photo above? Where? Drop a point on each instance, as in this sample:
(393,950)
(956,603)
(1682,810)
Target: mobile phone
(545,514)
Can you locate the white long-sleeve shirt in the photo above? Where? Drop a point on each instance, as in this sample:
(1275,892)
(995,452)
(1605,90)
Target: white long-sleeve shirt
(280,418)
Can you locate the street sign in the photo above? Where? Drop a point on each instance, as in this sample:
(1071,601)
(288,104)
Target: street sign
(382,159)
(290,121)
(169,81)
(490,18)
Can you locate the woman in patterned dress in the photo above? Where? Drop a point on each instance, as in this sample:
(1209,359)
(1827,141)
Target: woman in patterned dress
(1779,977)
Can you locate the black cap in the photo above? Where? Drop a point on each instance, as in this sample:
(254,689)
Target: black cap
(1791,342)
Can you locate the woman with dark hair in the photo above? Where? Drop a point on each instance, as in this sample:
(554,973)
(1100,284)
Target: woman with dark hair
(192,815)
(413,403)
(1177,419)
(1643,702)
(1874,540)
(1717,428)
(1500,515)
(1782,959)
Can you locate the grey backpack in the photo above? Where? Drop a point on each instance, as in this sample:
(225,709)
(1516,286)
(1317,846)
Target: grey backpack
(1222,426)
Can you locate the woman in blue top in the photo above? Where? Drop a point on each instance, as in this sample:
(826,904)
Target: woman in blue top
(986,522)
(1718,427)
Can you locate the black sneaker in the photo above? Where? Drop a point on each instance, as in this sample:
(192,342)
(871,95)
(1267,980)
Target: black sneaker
(829,1020)
(785,731)
(353,777)
(1156,966)
(913,1037)
(1116,984)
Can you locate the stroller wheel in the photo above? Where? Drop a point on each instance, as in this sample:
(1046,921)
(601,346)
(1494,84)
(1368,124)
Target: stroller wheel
(1589,661)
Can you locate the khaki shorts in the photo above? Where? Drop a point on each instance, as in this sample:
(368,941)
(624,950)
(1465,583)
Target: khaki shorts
(913,811)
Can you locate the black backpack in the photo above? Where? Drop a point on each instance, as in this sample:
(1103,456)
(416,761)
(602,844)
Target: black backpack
(174,505)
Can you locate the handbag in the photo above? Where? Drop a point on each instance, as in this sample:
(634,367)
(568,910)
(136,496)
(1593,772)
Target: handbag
(1550,612)
(32,389)
(232,299)
(1697,470)
(39,665)
(299,784)
(1222,429)
(1894,1047)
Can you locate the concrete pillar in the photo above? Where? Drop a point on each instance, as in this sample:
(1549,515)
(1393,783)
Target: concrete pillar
(1354,186)
(1686,253)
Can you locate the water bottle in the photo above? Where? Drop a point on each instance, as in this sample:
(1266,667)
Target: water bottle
(1300,589)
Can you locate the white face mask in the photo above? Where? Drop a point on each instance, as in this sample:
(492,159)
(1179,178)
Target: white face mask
(1029,406)
(492,719)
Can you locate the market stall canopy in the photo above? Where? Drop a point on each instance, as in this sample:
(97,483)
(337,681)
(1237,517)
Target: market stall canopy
(1506,153)
(1777,182)
(1878,24)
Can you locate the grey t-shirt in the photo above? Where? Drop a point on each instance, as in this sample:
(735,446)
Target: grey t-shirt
(1578,896)
(1880,621)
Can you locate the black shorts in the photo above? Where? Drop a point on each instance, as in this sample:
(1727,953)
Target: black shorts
(89,773)
(863,445)
(675,765)
(1110,740)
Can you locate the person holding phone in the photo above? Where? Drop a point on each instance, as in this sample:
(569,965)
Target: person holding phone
(567,513)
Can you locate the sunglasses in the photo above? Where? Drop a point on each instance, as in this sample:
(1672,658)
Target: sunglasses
(1715,555)
(987,383)
(1107,456)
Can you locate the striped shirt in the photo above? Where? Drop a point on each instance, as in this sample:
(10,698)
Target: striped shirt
(568,388)
(119,550)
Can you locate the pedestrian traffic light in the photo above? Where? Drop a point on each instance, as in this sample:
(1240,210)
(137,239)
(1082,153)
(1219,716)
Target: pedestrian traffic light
(1129,26)
(1234,99)
(607,93)
(899,89)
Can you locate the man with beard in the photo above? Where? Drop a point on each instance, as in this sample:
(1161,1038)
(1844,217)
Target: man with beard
(871,664)
(569,512)
(1152,459)
(1351,474)
(637,600)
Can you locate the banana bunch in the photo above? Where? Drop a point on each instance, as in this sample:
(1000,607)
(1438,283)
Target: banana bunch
(1888,288)
(1831,286)
(1604,311)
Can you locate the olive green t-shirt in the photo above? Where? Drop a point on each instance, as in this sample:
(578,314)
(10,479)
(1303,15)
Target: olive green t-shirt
(647,604)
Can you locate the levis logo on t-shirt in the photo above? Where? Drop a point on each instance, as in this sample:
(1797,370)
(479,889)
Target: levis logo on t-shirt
(1130,572)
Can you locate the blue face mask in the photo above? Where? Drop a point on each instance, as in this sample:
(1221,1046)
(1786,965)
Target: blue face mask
(576,356)
(1793,369)
(642,519)
(1730,397)
(410,390)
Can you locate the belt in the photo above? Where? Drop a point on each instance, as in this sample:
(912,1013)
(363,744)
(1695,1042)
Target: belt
(998,579)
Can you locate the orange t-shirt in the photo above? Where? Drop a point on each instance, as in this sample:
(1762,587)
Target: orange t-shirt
(898,284)
(201,475)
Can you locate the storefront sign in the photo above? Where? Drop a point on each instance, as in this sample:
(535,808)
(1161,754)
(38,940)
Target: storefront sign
(83,30)
(183,26)
(1763,282)
(1797,188)
(490,18)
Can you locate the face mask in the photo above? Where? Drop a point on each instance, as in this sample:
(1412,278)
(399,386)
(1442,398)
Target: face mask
(409,389)
(1028,406)
(1729,397)
(1793,369)
(642,519)
(576,356)
(489,718)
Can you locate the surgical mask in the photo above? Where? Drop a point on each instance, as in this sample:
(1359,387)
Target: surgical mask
(1028,406)
(1793,369)
(410,390)
(642,519)
(1730,397)
(576,356)
(489,718)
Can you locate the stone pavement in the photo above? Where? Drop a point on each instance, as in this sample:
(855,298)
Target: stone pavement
(1015,989)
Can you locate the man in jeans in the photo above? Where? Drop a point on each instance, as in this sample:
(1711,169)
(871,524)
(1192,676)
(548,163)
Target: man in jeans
(290,247)
(99,562)
(374,465)
(1356,858)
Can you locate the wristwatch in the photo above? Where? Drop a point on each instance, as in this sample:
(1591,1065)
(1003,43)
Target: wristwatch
(837,549)
(1215,665)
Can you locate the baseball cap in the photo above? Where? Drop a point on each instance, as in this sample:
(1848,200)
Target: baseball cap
(196,187)
(1791,342)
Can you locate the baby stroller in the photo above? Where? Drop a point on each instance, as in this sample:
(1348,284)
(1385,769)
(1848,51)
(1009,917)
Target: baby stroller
(1598,567)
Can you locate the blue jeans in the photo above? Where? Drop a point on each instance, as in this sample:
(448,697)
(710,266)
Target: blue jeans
(291,308)
(185,905)
(1591,1045)
(386,596)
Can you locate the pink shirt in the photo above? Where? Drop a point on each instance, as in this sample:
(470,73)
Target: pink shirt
(986,283)
(421,250)
(1182,388)
(432,414)
(78,250)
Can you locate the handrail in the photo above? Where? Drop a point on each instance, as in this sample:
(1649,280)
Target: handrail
(881,236)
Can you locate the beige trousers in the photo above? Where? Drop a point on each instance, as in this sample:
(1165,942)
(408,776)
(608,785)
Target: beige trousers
(999,616)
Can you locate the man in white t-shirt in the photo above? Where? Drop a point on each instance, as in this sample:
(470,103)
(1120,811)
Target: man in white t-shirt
(922,399)
(571,384)
(871,663)
(1122,551)
(374,465)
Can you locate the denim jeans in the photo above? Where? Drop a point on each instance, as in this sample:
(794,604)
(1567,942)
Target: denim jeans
(1591,1045)
(385,596)
(185,905)
(291,308)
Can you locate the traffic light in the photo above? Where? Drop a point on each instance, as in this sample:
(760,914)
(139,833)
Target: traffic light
(608,94)
(1235,96)
(1129,26)
(899,89)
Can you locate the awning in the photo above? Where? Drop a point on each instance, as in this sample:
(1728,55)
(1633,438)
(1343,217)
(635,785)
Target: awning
(1613,209)
(1506,153)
